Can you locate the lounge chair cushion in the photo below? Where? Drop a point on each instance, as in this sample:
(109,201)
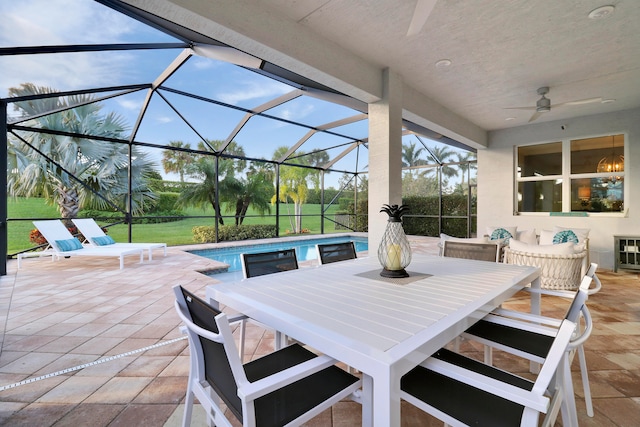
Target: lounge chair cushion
(568,248)
(103,240)
(69,244)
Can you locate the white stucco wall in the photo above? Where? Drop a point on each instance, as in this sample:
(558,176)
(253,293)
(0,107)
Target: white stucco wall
(496,180)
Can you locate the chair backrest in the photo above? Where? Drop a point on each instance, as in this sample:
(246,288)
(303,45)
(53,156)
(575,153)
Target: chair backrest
(591,272)
(216,359)
(88,227)
(579,300)
(56,234)
(333,252)
(554,356)
(468,250)
(262,263)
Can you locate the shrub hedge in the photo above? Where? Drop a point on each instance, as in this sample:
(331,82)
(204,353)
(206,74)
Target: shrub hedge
(227,233)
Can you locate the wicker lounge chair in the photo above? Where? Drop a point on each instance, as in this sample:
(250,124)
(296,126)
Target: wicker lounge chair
(557,271)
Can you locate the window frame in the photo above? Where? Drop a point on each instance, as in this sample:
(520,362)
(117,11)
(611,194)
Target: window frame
(566,177)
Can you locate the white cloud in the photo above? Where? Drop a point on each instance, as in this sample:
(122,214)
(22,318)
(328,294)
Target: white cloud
(59,22)
(129,104)
(203,63)
(253,89)
(298,113)
(163,119)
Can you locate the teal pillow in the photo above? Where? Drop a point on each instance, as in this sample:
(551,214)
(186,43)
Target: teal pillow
(103,240)
(565,236)
(69,244)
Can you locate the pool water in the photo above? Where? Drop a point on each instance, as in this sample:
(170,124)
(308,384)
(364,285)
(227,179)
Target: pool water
(305,251)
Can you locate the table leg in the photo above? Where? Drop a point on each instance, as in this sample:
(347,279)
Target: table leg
(536,308)
(536,297)
(367,400)
(386,400)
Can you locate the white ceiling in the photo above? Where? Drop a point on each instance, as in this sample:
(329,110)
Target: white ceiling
(501,51)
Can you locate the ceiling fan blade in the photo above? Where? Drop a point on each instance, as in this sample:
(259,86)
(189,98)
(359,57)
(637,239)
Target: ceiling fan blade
(420,15)
(519,108)
(535,116)
(579,102)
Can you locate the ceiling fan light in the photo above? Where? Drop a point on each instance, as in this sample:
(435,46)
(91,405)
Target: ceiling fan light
(543,105)
(601,12)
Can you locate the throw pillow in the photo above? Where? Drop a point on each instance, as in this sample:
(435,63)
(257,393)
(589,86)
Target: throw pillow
(69,244)
(582,234)
(546,237)
(103,240)
(567,248)
(565,236)
(527,236)
(503,234)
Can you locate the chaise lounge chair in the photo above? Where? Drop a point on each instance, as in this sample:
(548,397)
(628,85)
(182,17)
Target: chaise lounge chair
(65,245)
(96,237)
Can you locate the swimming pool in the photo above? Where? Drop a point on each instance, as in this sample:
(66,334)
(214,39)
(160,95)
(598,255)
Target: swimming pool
(305,251)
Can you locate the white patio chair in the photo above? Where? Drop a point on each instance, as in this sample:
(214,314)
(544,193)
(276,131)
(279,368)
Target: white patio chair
(335,252)
(530,336)
(467,250)
(260,264)
(287,387)
(462,392)
(65,245)
(96,237)
(582,359)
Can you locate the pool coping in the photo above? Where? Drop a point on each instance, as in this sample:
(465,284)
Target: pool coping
(221,245)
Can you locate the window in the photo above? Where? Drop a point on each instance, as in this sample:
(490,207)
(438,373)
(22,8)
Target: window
(581,175)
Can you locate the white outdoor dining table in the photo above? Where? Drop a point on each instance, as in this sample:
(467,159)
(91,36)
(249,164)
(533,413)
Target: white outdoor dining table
(381,327)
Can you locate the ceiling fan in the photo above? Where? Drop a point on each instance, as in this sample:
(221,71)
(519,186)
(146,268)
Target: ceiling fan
(543,105)
(420,15)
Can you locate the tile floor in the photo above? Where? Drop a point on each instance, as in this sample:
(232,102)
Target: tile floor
(119,330)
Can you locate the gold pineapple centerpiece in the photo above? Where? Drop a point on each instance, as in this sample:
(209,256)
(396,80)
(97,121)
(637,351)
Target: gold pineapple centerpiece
(394,252)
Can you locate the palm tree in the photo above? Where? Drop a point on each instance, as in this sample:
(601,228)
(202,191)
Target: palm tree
(440,154)
(203,169)
(71,170)
(257,189)
(463,160)
(294,183)
(176,160)
(412,157)
(203,193)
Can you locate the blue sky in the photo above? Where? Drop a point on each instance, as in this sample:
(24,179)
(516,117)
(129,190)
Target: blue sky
(59,22)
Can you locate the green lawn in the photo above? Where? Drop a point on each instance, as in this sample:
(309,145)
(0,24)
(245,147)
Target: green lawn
(173,233)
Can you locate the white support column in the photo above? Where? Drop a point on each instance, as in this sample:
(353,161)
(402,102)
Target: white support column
(385,155)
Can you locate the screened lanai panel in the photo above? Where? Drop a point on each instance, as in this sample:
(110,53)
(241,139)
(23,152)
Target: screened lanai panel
(356,160)
(358,129)
(162,124)
(339,153)
(84,70)
(88,22)
(209,120)
(261,136)
(218,80)
(312,111)
(225,82)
